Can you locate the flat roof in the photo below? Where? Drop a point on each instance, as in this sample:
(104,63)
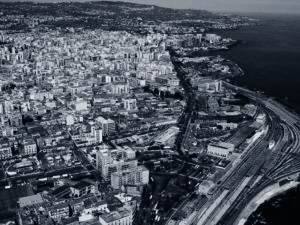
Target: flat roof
(223,145)
(116,215)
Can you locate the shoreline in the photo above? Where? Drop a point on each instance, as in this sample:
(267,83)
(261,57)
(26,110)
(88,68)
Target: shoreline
(261,198)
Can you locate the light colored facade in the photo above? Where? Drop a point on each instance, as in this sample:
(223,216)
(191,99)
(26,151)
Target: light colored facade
(120,88)
(29,147)
(261,118)
(5,150)
(30,200)
(80,105)
(137,176)
(108,126)
(212,38)
(108,163)
(92,136)
(82,188)
(130,104)
(220,149)
(123,216)
(58,211)
(228,125)
(99,206)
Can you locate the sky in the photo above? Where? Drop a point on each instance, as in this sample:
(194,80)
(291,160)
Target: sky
(270,6)
(259,6)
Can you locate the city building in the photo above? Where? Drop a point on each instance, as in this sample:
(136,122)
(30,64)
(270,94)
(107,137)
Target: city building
(82,188)
(80,105)
(59,210)
(129,104)
(122,216)
(261,118)
(5,149)
(222,149)
(110,161)
(135,176)
(30,200)
(28,147)
(108,126)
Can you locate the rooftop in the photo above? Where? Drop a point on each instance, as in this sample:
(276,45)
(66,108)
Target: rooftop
(116,215)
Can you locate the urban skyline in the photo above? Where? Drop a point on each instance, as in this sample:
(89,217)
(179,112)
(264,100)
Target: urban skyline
(255,6)
(121,113)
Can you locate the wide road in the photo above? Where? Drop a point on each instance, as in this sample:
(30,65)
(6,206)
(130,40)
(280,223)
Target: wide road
(65,170)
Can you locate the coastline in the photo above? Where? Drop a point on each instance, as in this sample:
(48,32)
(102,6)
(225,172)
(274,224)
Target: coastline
(292,107)
(261,198)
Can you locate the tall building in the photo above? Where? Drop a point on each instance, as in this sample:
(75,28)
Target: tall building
(120,88)
(136,176)
(212,38)
(213,104)
(218,85)
(110,161)
(108,126)
(28,147)
(111,126)
(129,104)
(5,149)
(97,132)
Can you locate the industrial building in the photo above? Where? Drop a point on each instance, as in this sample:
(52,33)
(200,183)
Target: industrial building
(220,149)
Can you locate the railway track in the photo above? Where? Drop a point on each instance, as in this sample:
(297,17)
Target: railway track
(282,162)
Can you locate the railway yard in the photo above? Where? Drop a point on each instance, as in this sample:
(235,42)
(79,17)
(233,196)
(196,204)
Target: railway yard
(259,167)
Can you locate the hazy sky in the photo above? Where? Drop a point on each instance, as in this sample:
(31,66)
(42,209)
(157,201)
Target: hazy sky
(281,6)
(270,6)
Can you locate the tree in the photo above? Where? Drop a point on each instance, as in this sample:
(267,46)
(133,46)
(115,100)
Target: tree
(178,95)
(146,88)
(162,95)
(137,154)
(27,118)
(70,211)
(168,94)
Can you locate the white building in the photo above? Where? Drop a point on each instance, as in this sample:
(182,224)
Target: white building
(99,206)
(69,120)
(120,88)
(122,216)
(30,200)
(111,161)
(29,147)
(129,104)
(228,125)
(81,105)
(261,118)
(136,176)
(108,126)
(220,149)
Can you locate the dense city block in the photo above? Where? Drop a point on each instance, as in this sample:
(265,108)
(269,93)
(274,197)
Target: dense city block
(114,113)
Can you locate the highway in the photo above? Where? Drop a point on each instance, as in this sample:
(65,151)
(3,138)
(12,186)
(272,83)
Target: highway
(185,119)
